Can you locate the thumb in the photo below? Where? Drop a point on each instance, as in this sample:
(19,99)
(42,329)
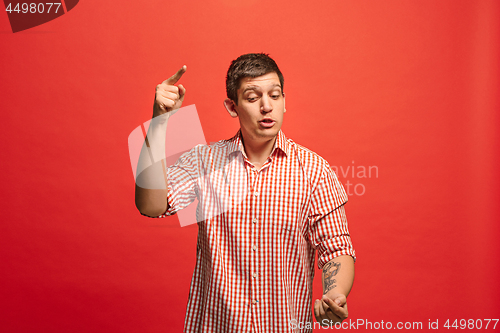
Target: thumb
(182,92)
(340,300)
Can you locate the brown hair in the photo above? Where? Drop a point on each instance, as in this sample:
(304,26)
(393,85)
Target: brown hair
(249,65)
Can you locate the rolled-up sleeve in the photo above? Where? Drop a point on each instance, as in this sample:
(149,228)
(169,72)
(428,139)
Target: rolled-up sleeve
(328,229)
(182,182)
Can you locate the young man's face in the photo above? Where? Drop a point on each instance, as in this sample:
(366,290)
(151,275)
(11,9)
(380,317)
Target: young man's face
(260,109)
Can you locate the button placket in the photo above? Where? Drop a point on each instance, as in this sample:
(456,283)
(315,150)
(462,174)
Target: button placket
(254,240)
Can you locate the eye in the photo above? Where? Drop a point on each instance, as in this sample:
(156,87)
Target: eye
(251,99)
(275,96)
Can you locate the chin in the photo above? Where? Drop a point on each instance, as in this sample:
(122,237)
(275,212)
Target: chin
(270,133)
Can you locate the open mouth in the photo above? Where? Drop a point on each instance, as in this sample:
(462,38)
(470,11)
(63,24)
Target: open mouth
(267,122)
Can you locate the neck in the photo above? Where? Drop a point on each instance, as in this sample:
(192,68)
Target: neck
(258,151)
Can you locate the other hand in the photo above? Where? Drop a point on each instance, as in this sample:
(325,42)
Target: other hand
(330,311)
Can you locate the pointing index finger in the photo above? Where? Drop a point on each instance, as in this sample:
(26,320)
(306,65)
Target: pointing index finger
(176,77)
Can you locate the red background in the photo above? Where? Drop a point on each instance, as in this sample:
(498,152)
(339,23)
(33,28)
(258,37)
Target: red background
(408,86)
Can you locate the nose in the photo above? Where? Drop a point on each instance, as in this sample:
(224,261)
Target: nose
(266,105)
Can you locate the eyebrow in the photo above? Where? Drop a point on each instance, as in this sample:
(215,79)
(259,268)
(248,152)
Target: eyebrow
(258,88)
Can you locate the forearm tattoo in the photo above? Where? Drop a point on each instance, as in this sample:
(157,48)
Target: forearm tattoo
(329,271)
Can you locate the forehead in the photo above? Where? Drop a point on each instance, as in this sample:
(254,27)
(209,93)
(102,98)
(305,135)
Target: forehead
(266,81)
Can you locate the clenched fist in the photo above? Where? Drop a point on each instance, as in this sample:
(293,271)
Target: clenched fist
(169,97)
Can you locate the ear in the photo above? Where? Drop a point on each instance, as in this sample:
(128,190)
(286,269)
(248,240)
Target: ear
(230,107)
(284,103)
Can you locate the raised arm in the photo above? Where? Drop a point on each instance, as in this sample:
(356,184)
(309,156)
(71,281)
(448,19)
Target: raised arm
(150,188)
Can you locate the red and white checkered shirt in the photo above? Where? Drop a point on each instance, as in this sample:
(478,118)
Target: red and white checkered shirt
(258,234)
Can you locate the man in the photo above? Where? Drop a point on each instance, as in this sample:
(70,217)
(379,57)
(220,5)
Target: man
(255,259)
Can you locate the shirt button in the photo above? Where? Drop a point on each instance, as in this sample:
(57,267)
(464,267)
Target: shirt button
(255,301)
(254,248)
(254,220)
(256,193)
(254,275)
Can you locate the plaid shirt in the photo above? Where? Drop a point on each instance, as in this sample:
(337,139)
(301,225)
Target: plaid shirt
(258,233)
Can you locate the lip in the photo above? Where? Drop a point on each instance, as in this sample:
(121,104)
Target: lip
(267,122)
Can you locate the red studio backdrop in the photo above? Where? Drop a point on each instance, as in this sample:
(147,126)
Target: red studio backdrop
(401,97)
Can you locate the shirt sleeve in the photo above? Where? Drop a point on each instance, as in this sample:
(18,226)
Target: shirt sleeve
(329,233)
(182,182)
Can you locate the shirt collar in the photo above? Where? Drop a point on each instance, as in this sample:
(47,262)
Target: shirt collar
(235,144)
